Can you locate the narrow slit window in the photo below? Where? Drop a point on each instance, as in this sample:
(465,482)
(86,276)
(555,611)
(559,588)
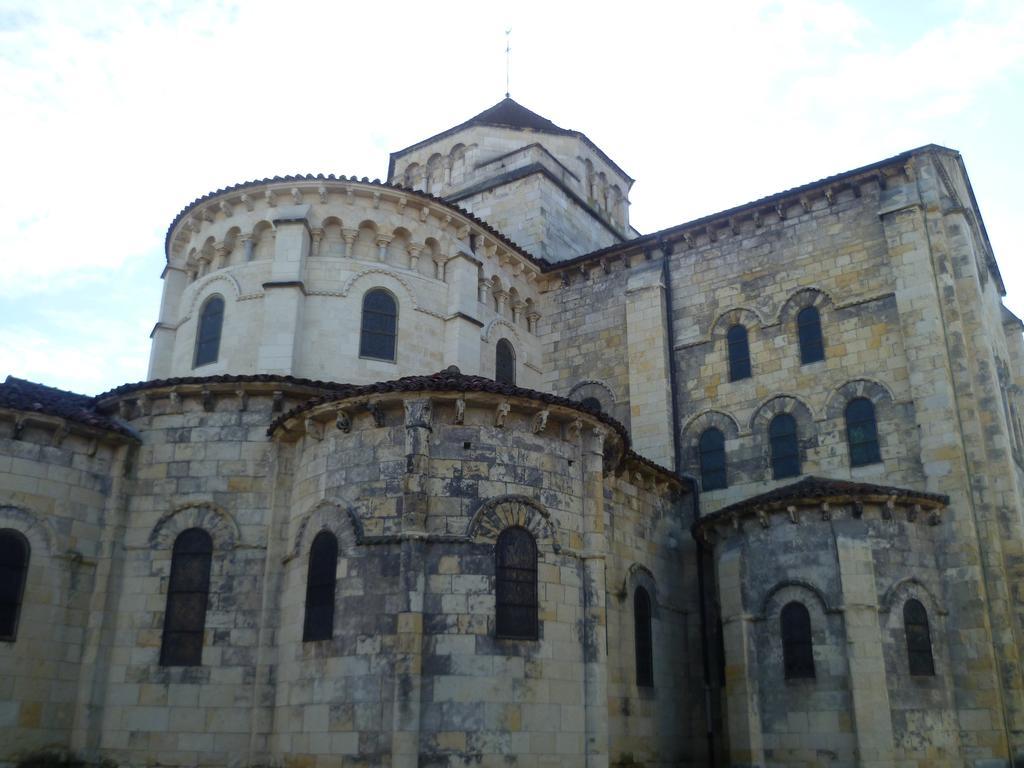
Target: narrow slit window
(919,639)
(14,554)
(320,585)
(505,363)
(808,327)
(797,645)
(712,459)
(785,448)
(378,334)
(862,432)
(211,322)
(516,584)
(643,638)
(187,595)
(739,353)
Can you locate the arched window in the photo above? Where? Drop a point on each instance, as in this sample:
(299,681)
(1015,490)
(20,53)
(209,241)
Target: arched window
(505,363)
(919,639)
(712,459)
(739,353)
(379,330)
(797,647)
(591,402)
(187,595)
(643,638)
(211,320)
(14,553)
(516,584)
(320,581)
(808,328)
(862,432)
(785,450)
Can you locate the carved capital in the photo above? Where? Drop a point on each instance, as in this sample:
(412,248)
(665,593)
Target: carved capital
(540,421)
(419,413)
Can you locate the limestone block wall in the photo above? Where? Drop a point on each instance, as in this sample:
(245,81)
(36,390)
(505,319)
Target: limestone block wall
(292,260)
(828,254)
(57,485)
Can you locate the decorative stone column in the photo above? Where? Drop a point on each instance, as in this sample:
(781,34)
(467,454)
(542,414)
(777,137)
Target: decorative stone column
(349,236)
(382,246)
(247,247)
(414,255)
(595,636)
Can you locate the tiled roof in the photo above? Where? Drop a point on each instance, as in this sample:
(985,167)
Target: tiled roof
(247,378)
(30,397)
(812,488)
(292,178)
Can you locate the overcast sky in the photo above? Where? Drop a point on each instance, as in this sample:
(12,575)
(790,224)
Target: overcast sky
(117,115)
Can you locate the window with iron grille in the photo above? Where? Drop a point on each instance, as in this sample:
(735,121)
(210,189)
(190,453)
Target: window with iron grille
(712,459)
(808,327)
(516,584)
(187,595)
(919,639)
(643,638)
(14,554)
(862,432)
(379,331)
(320,582)
(211,321)
(505,363)
(739,353)
(797,646)
(785,449)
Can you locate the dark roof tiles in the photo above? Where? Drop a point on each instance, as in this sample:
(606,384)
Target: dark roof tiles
(30,397)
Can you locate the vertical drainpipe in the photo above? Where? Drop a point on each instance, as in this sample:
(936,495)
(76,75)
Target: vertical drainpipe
(673,377)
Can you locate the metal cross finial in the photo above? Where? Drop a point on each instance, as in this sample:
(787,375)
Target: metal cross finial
(508,57)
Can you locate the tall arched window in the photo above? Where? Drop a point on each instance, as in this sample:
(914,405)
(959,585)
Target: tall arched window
(739,353)
(379,331)
(797,646)
(505,363)
(14,553)
(785,449)
(187,594)
(516,584)
(643,638)
(211,321)
(320,581)
(808,328)
(712,459)
(919,639)
(862,432)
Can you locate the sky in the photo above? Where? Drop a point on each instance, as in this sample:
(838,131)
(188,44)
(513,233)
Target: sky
(116,115)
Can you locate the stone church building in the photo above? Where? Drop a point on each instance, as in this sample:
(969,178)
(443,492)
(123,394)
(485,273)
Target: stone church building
(459,469)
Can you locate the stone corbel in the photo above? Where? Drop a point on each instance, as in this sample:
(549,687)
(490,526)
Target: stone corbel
(376,200)
(208,215)
(830,195)
(540,421)
(735,520)
(712,233)
(268,196)
(501,413)
(243,399)
(322,192)
(296,195)
(460,411)
(401,201)
(314,428)
(19,427)
(780,210)
(794,514)
(419,413)
(425,214)
(688,239)
(94,445)
(277,401)
(805,203)
(247,202)
(462,233)
(226,209)
(757,219)
(175,400)
(935,516)
(913,512)
(762,518)
(826,511)
(734,225)
(342,420)
(208,400)
(858,509)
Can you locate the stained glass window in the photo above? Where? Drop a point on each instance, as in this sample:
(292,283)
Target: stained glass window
(516,584)
(379,331)
(187,595)
(211,321)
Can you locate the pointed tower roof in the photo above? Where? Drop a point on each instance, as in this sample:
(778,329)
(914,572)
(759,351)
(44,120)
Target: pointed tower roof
(509,113)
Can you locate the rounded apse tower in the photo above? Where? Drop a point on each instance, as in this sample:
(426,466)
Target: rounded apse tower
(344,280)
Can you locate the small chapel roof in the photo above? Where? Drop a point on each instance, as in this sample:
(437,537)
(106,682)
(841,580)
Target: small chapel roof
(30,397)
